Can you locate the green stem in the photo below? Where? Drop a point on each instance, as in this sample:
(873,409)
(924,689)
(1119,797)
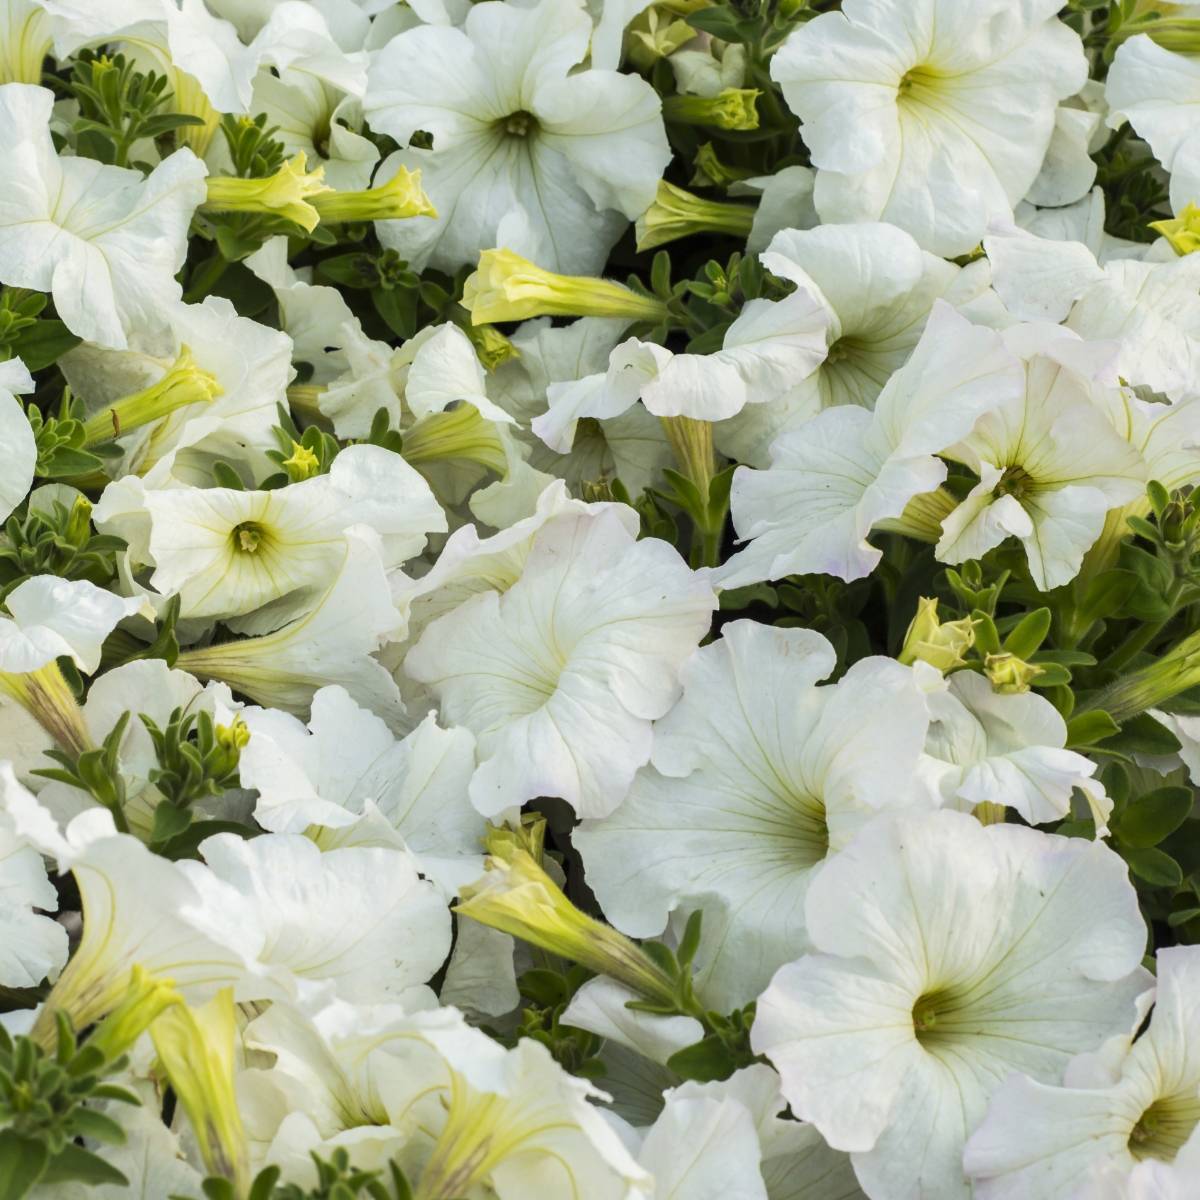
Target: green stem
(1140,638)
(205,277)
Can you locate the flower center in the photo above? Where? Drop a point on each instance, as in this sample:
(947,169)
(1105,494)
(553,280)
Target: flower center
(519,124)
(1015,481)
(248,537)
(837,352)
(1164,1127)
(937,1018)
(918,84)
(810,832)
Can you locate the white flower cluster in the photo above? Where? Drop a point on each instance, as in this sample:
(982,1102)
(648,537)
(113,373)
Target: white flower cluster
(493,708)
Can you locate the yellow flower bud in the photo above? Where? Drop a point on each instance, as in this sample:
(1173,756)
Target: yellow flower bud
(457,433)
(507,287)
(184,383)
(516,896)
(654,34)
(732,108)
(303,463)
(492,348)
(401,197)
(676,213)
(942,644)
(285,194)
(1183,231)
(196,1052)
(146,1000)
(48,698)
(1009,673)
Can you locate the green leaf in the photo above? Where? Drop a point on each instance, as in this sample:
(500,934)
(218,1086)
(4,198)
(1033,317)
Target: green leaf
(1105,596)
(90,1123)
(1153,817)
(1029,634)
(690,942)
(721,23)
(1052,675)
(216,1188)
(1144,735)
(660,274)
(1088,728)
(662,956)
(987,639)
(169,822)
(707,1060)
(64,462)
(1182,917)
(544,987)
(1154,867)
(74,1163)
(22,1162)
(42,344)
(356,270)
(398,307)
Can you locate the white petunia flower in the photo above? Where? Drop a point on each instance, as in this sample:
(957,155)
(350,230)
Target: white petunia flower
(115,873)
(1156,90)
(53,617)
(26,35)
(723,1159)
(631,447)
(333,643)
(1151,310)
(725,1127)
(227,553)
(212,384)
(1050,467)
(146,686)
(313,116)
(464,1112)
(580,654)
(878,287)
(526,153)
(33,947)
(770,346)
(1110,1127)
(990,747)
(934,115)
(836,477)
(315,316)
(105,241)
(759,777)
(1069,170)
(425,375)
(301,902)
(950,955)
(18,448)
(347,780)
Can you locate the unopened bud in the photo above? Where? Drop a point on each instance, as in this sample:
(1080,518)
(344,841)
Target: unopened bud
(941,644)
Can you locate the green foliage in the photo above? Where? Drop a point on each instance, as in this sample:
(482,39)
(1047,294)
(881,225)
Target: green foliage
(120,106)
(336,1180)
(57,540)
(60,439)
(548,992)
(47,1103)
(195,759)
(299,455)
(725,1047)
(36,340)
(95,771)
